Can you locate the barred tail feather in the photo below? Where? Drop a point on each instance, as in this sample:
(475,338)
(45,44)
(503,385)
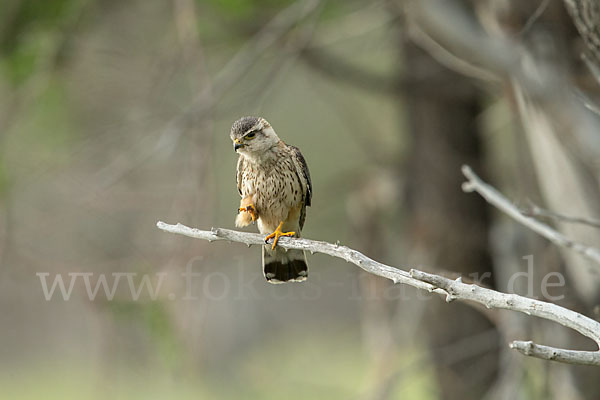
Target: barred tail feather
(281,266)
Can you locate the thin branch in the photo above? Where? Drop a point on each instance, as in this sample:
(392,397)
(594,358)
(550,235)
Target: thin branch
(537,211)
(447,58)
(338,68)
(586,100)
(534,17)
(594,69)
(452,289)
(497,199)
(357,23)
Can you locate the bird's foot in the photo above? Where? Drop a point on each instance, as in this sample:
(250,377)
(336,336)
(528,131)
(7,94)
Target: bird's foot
(277,234)
(249,209)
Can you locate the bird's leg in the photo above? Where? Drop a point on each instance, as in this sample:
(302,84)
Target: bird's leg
(277,234)
(246,205)
(249,209)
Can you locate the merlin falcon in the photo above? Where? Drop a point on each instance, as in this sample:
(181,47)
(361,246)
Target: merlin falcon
(274,183)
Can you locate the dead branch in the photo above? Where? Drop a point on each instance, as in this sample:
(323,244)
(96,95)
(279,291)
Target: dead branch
(498,200)
(452,289)
(536,211)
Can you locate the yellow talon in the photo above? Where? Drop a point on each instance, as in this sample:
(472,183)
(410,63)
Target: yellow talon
(250,209)
(277,234)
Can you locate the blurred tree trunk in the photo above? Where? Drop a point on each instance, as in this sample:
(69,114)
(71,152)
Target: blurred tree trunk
(450,226)
(566,176)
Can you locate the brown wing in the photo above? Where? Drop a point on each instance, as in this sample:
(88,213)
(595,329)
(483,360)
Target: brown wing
(304,175)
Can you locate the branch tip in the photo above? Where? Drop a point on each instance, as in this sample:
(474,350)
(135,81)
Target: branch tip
(468,187)
(467,171)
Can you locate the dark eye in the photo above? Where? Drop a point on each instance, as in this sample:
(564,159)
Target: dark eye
(251,135)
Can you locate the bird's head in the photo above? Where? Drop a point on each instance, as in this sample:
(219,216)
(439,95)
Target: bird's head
(252,136)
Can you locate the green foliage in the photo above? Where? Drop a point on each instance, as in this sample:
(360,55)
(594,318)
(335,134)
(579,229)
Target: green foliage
(31,33)
(154,317)
(327,364)
(241,16)
(44,139)
(20,64)
(32,14)
(4,180)
(243,9)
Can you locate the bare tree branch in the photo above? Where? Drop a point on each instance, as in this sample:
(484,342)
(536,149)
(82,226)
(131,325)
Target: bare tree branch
(497,199)
(334,250)
(452,289)
(535,16)
(592,66)
(536,211)
(337,68)
(447,58)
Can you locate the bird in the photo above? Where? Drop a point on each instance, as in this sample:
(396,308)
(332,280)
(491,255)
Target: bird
(274,184)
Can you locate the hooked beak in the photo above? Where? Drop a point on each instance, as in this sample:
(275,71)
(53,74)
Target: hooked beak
(237,144)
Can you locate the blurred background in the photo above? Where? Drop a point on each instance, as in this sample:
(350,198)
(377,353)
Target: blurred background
(116,114)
